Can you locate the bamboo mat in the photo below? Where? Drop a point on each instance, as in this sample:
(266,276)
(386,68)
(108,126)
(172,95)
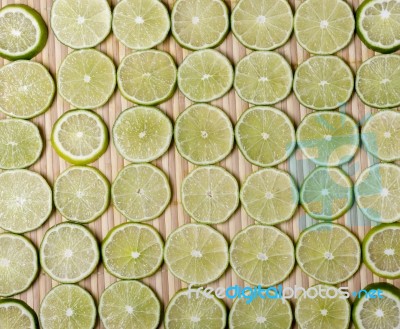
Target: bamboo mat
(164,283)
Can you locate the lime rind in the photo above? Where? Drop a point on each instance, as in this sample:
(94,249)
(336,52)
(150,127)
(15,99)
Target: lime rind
(25,310)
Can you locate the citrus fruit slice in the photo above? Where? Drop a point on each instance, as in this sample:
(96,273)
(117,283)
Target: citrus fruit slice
(323,83)
(26,200)
(147,77)
(140,24)
(262,255)
(376,192)
(263,78)
(26,88)
(141,192)
(203,134)
(205,75)
(324,27)
(129,304)
(196,254)
(68,306)
(20,144)
(69,253)
(142,134)
(16,314)
(19,264)
(132,251)
(265,136)
(327,193)
(262,24)
(86,78)
(23,32)
(81,194)
(328,138)
(81,24)
(199,24)
(328,253)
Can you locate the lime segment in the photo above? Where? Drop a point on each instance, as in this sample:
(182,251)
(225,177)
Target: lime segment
(16,314)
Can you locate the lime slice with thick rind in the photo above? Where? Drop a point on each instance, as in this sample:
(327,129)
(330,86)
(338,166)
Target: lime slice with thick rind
(262,255)
(263,78)
(262,24)
(328,138)
(199,24)
(265,136)
(132,251)
(196,254)
(16,314)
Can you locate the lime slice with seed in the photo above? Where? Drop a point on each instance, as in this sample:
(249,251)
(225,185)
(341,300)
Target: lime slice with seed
(16,314)
(132,251)
(196,254)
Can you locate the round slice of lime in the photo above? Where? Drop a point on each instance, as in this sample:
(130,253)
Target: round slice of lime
(16,314)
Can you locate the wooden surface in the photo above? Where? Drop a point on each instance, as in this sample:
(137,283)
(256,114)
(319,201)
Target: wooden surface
(164,283)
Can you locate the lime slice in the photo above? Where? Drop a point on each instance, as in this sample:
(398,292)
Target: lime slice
(265,136)
(141,192)
(263,78)
(132,251)
(205,75)
(26,89)
(86,78)
(20,144)
(140,24)
(186,310)
(262,24)
(16,314)
(69,253)
(23,32)
(323,83)
(328,253)
(262,255)
(328,138)
(210,194)
(19,264)
(327,193)
(378,81)
(147,77)
(81,194)
(196,254)
(26,201)
(376,192)
(142,134)
(68,306)
(381,135)
(324,27)
(129,304)
(203,134)
(270,196)
(81,24)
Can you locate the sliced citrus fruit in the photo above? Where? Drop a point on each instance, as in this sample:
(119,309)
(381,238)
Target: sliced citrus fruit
(16,314)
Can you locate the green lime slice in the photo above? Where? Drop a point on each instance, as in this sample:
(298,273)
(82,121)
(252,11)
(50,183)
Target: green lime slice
(203,134)
(265,136)
(141,192)
(142,134)
(132,251)
(140,24)
(81,24)
(328,138)
(210,194)
(205,75)
(129,304)
(328,253)
(199,24)
(262,24)
(69,253)
(68,306)
(147,77)
(16,314)
(81,194)
(263,78)
(19,264)
(323,83)
(196,254)
(327,193)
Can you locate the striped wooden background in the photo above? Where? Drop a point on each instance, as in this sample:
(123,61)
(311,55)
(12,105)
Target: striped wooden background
(165,285)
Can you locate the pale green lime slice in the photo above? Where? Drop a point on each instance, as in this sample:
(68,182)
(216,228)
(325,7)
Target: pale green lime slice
(16,314)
